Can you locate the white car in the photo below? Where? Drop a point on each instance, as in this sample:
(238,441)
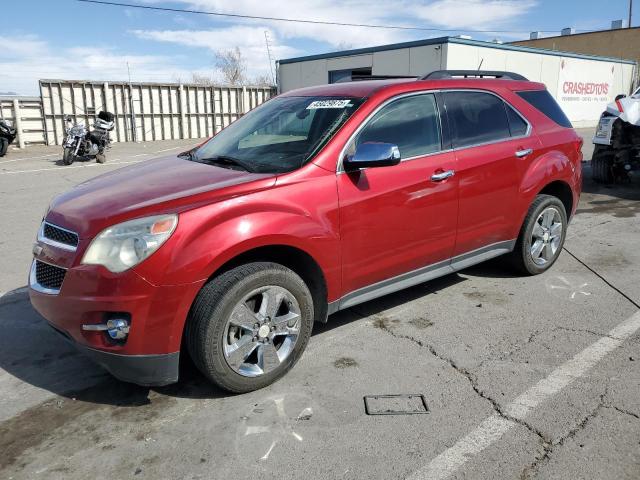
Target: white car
(617,140)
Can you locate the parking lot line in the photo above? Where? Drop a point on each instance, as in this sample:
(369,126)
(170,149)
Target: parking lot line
(172,148)
(62,169)
(495,426)
(30,158)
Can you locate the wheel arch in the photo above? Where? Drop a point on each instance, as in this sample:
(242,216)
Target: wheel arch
(562,191)
(293,258)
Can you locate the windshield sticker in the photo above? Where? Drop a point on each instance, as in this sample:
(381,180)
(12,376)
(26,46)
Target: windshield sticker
(329,104)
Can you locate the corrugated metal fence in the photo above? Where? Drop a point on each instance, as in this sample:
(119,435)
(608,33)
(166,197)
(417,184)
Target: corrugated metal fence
(28,121)
(143,111)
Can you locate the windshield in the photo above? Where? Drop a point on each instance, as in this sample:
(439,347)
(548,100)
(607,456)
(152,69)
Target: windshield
(279,136)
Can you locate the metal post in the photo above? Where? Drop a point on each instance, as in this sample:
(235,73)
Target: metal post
(181,105)
(630,12)
(18,125)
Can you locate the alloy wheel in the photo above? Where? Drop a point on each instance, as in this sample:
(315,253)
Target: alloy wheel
(261,331)
(546,236)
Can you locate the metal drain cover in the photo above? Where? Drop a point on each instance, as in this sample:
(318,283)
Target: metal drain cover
(406,404)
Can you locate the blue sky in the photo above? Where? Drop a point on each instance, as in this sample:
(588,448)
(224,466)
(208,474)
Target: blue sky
(72,40)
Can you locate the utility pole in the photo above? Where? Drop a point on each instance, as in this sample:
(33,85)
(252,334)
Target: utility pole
(266,40)
(630,12)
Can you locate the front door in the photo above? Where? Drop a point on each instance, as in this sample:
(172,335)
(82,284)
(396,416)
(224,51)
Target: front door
(400,218)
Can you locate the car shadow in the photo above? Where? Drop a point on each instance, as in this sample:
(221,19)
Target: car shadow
(34,353)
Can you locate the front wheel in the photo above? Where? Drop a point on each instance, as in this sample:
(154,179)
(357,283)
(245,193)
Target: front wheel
(601,163)
(67,156)
(4,145)
(101,158)
(541,236)
(250,325)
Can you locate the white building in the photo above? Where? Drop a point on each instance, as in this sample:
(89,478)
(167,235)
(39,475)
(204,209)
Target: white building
(582,84)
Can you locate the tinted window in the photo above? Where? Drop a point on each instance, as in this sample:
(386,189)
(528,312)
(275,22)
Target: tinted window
(411,123)
(543,101)
(476,118)
(517,125)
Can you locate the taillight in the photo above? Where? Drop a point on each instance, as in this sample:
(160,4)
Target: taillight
(619,105)
(578,145)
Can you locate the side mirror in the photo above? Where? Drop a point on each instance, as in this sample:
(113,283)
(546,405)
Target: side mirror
(371,155)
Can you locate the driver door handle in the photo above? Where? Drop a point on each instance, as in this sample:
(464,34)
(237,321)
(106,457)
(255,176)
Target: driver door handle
(440,176)
(524,152)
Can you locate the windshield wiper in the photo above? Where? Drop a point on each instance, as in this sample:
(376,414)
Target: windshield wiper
(227,160)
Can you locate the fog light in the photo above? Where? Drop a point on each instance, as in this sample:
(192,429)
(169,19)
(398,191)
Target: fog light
(117,328)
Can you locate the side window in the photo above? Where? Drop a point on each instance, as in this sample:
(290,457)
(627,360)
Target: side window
(476,118)
(411,123)
(543,101)
(517,125)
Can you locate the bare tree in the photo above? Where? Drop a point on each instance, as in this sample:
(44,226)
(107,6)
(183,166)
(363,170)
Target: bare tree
(204,80)
(232,66)
(262,80)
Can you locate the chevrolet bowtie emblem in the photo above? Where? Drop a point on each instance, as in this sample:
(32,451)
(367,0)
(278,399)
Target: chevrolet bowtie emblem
(37,250)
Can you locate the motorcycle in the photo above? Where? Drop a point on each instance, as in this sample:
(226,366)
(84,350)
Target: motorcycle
(79,143)
(7,135)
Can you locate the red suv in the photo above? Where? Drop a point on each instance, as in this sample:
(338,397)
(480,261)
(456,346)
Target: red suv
(320,199)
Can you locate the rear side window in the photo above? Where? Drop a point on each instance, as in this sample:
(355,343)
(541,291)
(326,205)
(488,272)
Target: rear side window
(476,118)
(543,101)
(411,123)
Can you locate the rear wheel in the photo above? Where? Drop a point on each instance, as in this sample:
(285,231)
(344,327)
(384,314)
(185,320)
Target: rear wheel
(601,162)
(541,236)
(67,156)
(250,325)
(4,145)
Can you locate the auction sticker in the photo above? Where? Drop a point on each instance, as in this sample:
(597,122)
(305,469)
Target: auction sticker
(329,104)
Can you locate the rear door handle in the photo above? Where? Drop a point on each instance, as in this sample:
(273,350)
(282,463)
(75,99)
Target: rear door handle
(524,152)
(438,177)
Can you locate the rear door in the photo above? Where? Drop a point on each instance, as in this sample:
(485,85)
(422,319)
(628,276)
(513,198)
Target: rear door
(491,140)
(397,219)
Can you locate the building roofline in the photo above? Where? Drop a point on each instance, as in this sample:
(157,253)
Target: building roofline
(580,34)
(454,40)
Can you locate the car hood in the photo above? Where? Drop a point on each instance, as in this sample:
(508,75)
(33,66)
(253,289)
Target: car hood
(168,184)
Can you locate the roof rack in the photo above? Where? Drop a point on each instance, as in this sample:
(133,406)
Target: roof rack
(442,74)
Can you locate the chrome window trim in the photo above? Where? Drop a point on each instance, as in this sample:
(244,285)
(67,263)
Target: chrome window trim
(33,281)
(53,243)
(340,169)
(500,140)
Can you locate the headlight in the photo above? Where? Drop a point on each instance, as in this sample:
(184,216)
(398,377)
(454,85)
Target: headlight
(125,245)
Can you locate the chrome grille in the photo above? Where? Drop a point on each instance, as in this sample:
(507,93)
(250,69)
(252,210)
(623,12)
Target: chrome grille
(49,276)
(59,235)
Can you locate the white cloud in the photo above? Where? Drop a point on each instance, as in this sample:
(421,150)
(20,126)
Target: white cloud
(473,14)
(25,60)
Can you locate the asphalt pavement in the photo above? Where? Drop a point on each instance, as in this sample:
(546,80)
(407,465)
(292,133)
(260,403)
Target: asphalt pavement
(522,377)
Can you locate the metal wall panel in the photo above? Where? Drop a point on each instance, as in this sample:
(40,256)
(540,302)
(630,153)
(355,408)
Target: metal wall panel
(29,118)
(145,111)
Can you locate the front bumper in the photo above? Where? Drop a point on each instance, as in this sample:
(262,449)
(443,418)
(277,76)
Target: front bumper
(90,294)
(147,370)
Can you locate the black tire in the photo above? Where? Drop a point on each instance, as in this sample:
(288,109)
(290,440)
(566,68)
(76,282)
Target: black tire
(205,329)
(67,156)
(601,164)
(101,158)
(521,257)
(4,145)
